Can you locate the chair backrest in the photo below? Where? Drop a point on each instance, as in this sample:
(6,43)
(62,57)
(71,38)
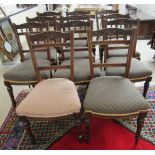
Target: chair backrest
(47,40)
(122,23)
(77,25)
(85,18)
(115,16)
(20,31)
(51,20)
(105,13)
(77,13)
(106,42)
(49,13)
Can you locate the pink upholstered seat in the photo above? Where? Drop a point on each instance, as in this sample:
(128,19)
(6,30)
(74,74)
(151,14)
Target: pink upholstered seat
(51,98)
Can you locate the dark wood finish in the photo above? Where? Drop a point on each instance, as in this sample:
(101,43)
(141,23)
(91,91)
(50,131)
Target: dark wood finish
(102,12)
(79,26)
(21,29)
(146,26)
(78,12)
(101,36)
(49,13)
(51,39)
(85,18)
(128,23)
(146,86)
(140,122)
(9,85)
(122,23)
(52,21)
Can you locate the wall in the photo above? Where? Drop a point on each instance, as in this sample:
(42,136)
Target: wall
(147,8)
(21,18)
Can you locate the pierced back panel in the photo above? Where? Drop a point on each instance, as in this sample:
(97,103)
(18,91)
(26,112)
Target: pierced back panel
(50,39)
(102,40)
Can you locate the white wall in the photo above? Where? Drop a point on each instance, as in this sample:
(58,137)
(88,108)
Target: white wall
(147,8)
(21,18)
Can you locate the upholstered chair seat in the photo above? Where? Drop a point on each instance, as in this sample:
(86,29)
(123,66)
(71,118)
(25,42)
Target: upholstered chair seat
(44,100)
(137,68)
(25,71)
(80,43)
(81,70)
(77,55)
(43,55)
(113,96)
(121,53)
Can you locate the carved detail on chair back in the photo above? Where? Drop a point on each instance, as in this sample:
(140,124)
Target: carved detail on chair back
(77,13)
(75,18)
(51,39)
(49,13)
(32,28)
(102,40)
(105,13)
(77,25)
(115,16)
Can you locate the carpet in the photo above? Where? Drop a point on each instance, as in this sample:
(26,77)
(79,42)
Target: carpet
(61,134)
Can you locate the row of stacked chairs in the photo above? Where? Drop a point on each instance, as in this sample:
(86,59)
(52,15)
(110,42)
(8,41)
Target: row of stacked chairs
(67,46)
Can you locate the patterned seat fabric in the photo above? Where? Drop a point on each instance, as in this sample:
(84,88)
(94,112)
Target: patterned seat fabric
(44,100)
(121,53)
(25,71)
(43,55)
(113,95)
(81,70)
(137,69)
(77,55)
(80,43)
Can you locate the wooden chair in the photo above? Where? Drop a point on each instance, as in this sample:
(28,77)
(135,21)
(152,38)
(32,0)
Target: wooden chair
(118,53)
(44,103)
(113,96)
(77,12)
(23,73)
(49,14)
(120,23)
(82,76)
(32,28)
(102,12)
(80,36)
(53,25)
(84,18)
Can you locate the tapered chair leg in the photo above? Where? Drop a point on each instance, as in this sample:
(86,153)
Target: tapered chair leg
(27,127)
(87,130)
(101,54)
(140,122)
(94,51)
(78,124)
(10,91)
(146,86)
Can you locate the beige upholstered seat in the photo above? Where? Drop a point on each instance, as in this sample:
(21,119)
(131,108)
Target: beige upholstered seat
(25,71)
(81,70)
(113,96)
(137,68)
(43,55)
(121,53)
(44,100)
